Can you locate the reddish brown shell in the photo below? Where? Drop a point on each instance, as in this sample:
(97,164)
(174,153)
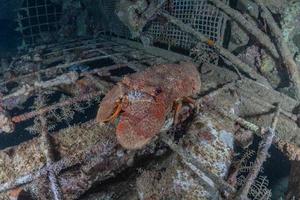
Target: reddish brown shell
(178,80)
(142,119)
(140,122)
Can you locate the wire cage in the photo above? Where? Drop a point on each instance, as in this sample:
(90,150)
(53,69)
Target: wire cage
(199,14)
(202,16)
(38,20)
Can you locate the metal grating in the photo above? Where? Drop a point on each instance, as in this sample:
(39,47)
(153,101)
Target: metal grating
(198,13)
(110,56)
(37,19)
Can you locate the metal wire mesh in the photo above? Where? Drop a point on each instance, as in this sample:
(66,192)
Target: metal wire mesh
(199,14)
(202,16)
(37,19)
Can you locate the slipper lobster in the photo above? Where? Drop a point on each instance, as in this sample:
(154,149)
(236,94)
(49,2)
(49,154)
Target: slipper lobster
(141,101)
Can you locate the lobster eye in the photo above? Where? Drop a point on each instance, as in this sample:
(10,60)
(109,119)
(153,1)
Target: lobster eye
(158,91)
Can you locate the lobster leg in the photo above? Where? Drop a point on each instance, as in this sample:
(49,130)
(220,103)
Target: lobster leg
(115,113)
(178,106)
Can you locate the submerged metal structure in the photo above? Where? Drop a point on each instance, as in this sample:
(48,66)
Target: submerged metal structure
(38,21)
(89,149)
(82,155)
(41,21)
(51,91)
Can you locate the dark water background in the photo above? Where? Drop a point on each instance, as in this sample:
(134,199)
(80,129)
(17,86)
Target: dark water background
(9,38)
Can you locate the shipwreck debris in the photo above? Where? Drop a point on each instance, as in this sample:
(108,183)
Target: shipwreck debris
(67,159)
(262,154)
(52,92)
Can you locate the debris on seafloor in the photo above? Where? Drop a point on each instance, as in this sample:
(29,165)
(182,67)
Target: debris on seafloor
(137,64)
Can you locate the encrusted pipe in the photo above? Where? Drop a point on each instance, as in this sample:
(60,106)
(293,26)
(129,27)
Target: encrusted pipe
(224,52)
(262,154)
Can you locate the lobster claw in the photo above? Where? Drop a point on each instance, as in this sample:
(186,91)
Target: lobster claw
(136,129)
(111,104)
